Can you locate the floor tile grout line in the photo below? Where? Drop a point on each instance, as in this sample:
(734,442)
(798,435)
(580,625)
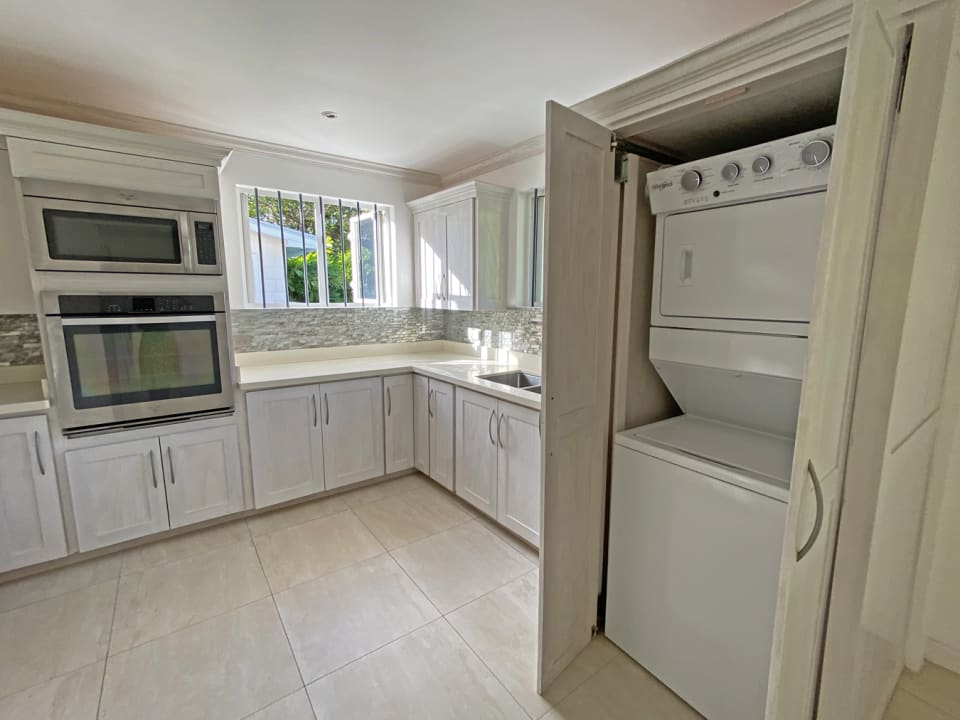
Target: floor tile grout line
(926,701)
(493,590)
(106,657)
(200,552)
(58,676)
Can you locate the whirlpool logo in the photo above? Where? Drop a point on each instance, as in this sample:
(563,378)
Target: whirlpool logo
(662,185)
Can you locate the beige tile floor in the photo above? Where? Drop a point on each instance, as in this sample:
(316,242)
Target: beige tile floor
(394,601)
(931,694)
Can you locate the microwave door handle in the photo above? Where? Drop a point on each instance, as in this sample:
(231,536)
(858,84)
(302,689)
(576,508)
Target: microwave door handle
(187,243)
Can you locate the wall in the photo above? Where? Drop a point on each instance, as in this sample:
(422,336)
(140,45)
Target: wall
(20,340)
(16,295)
(517,329)
(523,175)
(268,171)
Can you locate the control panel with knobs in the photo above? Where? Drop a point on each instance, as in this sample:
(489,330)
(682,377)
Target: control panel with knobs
(799,163)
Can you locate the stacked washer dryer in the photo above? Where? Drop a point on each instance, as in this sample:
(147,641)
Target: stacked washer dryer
(698,502)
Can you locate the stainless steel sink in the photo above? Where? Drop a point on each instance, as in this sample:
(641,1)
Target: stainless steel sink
(516,379)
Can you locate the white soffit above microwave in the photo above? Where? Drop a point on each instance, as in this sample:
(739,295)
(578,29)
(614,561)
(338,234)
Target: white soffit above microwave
(422,84)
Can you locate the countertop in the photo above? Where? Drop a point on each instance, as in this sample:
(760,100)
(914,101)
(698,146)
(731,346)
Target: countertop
(460,370)
(23,398)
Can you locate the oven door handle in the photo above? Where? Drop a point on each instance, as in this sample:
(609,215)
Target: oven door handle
(138,320)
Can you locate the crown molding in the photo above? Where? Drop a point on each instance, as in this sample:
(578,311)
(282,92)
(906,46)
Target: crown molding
(808,32)
(514,154)
(465,191)
(101,124)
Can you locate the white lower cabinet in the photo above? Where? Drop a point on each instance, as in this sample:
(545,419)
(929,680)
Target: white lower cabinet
(31,524)
(421,424)
(441,423)
(498,461)
(398,430)
(202,470)
(286,444)
(118,492)
(352,431)
(476,450)
(518,471)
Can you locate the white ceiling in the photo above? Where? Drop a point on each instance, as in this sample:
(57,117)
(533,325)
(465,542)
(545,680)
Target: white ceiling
(426,84)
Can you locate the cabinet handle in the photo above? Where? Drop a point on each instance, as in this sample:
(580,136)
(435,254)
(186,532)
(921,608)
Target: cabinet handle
(429,408)
(499,426)
(437,294)
(153,468)
(818,523)
(173,477)
(443,285)
(493,414)
(326,410)
(389,403)
(314,399)
(36,448)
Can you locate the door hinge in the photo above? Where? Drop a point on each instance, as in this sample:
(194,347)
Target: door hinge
(621,167)
(622,148)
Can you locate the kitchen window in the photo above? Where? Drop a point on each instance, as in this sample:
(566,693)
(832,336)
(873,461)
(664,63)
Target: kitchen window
(307,250)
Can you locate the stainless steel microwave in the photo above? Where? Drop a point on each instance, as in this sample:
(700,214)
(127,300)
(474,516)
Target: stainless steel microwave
(90,229)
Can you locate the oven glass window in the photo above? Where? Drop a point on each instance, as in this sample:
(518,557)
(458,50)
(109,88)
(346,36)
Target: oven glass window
(121,364)
(102,237)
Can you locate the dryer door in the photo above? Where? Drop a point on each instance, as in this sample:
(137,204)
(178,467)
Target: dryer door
(754,261)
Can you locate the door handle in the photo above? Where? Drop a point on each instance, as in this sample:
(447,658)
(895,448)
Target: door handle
(314,399)
(499,426)
(389,403)
(326,410)
(173,477)
(818,522)
(36,449)
(153,468)
(493,414)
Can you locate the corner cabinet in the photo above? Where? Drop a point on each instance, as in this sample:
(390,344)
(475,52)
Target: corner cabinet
(31,524)
(461,239)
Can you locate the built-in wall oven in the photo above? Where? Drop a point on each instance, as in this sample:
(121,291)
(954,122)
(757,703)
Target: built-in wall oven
(90,229)
(127,359)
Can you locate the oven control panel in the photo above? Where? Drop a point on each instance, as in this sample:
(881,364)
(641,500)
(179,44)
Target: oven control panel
(790,165)
(101,305)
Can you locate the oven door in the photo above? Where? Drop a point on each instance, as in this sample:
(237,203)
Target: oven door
(128,370)
(100,237)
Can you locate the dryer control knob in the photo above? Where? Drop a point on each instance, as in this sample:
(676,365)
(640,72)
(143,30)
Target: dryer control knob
(691,180)
(761,165)
(730,171)
(815,153)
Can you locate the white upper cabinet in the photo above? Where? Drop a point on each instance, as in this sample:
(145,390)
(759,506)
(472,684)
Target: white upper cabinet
(118,492)
(518,471)
(286,445)
(421,424)
(398,425)
(202,473)
(31,524)
(440,412)
(352,431)
(476,449)
(462,236)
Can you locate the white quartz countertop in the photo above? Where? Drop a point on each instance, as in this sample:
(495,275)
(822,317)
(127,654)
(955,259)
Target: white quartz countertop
(23,398)
(461,370)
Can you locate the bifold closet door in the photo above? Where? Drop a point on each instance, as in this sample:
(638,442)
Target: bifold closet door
(580,279)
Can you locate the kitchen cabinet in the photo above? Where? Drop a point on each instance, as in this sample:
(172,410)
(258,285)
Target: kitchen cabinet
(476,450)
(518,471)
(286,443)
(421,424)
(31,523)
(441,414)
(398,424)
(118,492)
(202,473)
(498,461)
(461,240)
(352,431)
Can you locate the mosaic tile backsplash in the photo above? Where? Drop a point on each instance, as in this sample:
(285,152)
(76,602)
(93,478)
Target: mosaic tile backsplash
(20,341)
(278,329)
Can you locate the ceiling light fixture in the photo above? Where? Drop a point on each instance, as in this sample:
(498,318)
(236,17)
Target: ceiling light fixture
(329,114)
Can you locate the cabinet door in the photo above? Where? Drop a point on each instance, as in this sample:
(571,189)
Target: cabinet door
(31,524)
(286,447)
(493,229)
(430,230)
(118,492)
(441,433)
(352,431)
(518,473)
(202,472)
(476,443)
(421,424)
(458,282)
(398,422)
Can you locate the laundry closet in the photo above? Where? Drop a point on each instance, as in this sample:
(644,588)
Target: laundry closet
(739,307)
